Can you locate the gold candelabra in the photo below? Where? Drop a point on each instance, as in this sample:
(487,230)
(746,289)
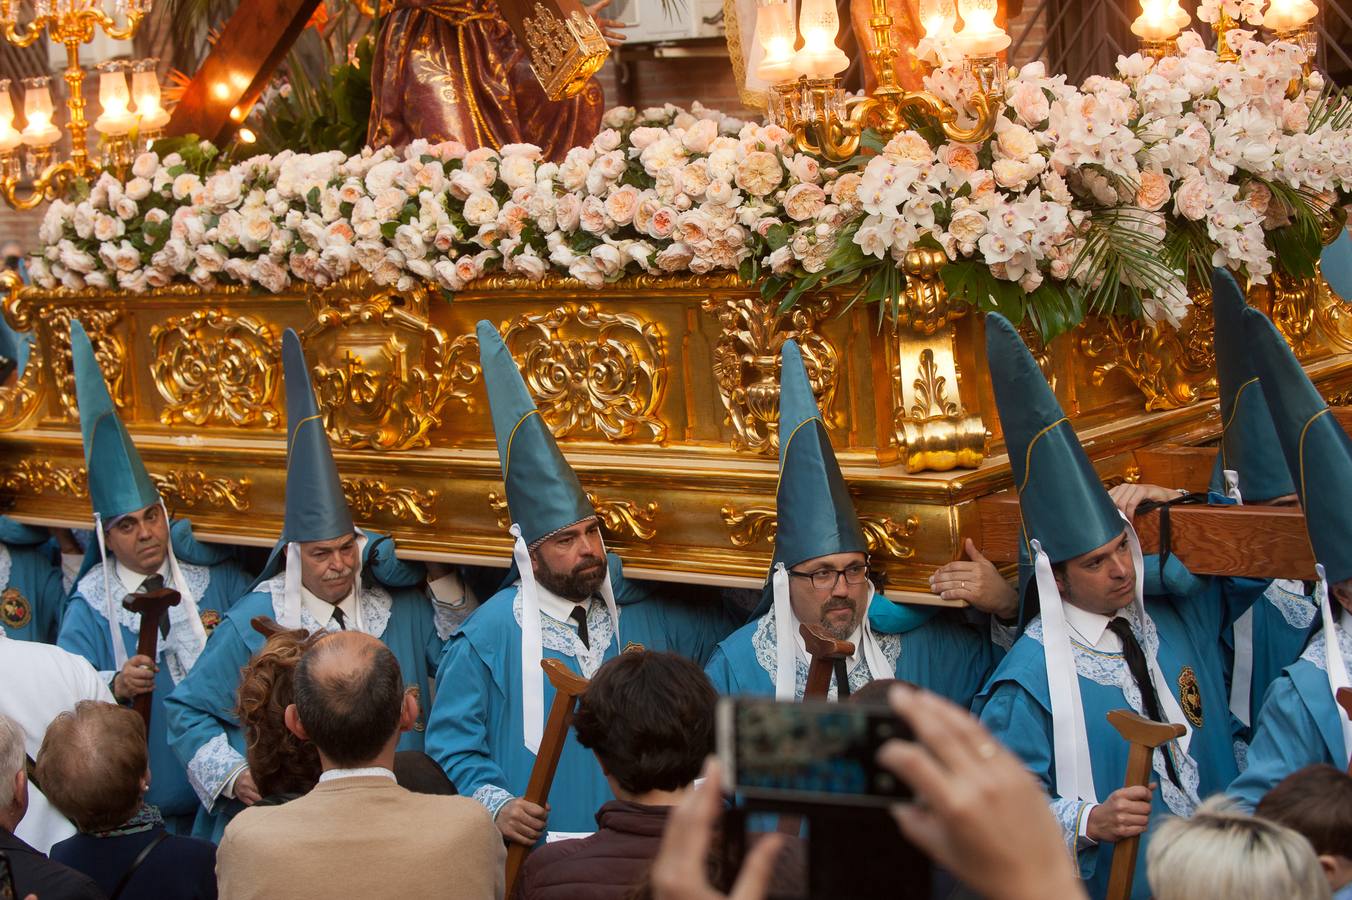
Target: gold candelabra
(827,123)
(70,23)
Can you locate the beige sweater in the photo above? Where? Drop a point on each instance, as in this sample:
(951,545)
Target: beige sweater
(362,837)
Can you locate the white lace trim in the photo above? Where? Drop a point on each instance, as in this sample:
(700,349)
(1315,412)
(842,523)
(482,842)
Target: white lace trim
(6,563)
(1110,670)
(1068,813)
(375,601)
(1316,654)
(493,798)
(767,655)
(1291,601)
(181,648)
(561,638)
(211,768)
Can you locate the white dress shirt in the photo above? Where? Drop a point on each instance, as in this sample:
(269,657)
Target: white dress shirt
(364,772)
(322,610)
(559,609)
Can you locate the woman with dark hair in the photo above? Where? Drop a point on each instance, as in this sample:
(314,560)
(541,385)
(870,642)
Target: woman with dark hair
(284,767)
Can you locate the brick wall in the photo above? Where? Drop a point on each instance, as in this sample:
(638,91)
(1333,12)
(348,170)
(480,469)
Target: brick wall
(21,226)
(640,76)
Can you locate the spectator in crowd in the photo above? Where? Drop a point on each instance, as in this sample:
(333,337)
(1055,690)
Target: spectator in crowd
(977,812)
(32,872)
(1222,853)
(39,681)
(1316,801)
(358,833)
(95,766)
(284,766)
(649,718)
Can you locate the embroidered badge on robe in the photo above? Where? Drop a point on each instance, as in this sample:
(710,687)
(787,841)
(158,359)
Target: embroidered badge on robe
(1190,696)
(210,619)
(15,610)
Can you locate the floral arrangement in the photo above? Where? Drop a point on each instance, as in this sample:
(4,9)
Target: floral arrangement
(1102,197)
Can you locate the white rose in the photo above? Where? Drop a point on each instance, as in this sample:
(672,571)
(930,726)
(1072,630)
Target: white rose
(138,189)
(409,242)
(530,265)
(185,185)
(155,217)
(480,208)
(222,189)
(145,165)
(620,205)
(1015,142)
(607,140)
(517,171)
(107,228)
(84,221)
(125,208)
(803,201)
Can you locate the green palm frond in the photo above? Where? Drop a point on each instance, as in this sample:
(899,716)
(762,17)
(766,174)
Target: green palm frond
(1124,247)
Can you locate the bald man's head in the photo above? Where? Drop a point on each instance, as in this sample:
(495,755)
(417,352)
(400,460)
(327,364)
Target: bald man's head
(349,694)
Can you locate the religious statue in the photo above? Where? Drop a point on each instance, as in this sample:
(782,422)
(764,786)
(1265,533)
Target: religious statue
(906,34)
(454,70)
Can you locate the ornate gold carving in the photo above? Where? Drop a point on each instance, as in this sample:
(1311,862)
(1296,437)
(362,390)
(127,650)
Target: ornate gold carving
(929,423)
(749,526)
(392,371)
(592,371)
(642,281)
(367,497)
(19,402)
(42,477)
(213,368)
(624,518)
(924,306)
(197,489)
(564,53)
(108,350)
(885,535)
(1171,367)
(746,363)
(619,518)
(1333,315)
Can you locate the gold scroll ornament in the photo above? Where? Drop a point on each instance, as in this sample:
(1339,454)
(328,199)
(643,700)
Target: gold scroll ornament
(566,47)
(19,402)
(885,536)
(194,488)
(619,518)
(368,496)
(109,351)
(213,368)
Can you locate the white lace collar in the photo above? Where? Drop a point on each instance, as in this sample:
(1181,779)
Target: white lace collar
(375,601)
(181,648)
(563,638)
(767,656)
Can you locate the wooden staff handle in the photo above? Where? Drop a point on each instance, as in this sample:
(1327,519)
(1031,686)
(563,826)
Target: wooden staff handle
(151,607)
(1144,735)
(1345,701)
(824,651)
(568,686)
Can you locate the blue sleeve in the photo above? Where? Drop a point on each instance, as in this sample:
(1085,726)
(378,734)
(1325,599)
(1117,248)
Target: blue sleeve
(229,582)
(86,633)
(190,550)
(695,630)
(890,617)
(1285,739)
(389,569)
(1025,727)
(720,672)
(202,708)
(457,730)
(1201,602)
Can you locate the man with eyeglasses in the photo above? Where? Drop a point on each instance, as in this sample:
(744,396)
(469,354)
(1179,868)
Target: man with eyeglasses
(820,576)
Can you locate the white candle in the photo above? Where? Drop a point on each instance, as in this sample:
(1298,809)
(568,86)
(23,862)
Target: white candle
(1287,15)
(146,88)
(1160,20)
(775,34)
(38,129)
(980,36)
(820,57)
(9,137)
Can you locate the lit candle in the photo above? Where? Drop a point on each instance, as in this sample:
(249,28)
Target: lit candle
(145,86)
(938,18)
(38,130)
(775,34)
(114,99)
(1160,20)
(820,57)
(980,36)
(1288,15)
(9,137)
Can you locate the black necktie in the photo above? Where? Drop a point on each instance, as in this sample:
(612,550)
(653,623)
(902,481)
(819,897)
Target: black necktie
(154,583)
(339,617)
(579,615)
(1140,671)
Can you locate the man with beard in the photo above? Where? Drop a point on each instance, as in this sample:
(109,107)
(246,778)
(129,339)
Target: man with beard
(820,576)
(324,575)
(566,598)
(136,550)
(1098,644)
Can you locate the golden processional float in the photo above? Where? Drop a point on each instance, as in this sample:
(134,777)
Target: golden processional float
(662,387)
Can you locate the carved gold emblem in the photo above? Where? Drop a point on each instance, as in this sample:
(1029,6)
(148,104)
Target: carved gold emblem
(368,496)
(884,536)
(42,477)
(213,368)
(388,372)
(15,610)
(746,363)
(191,488)
(210,619)
(1190,696)
(592,372)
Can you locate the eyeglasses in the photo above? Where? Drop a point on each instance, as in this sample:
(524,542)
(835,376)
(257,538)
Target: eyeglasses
(825,579)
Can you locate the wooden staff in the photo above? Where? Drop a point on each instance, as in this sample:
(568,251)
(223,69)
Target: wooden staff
(151,606)
(825,651)
(1144,735)
(568,686)
(1345,701)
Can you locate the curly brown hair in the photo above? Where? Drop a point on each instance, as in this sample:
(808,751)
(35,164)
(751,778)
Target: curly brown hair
(280,762)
